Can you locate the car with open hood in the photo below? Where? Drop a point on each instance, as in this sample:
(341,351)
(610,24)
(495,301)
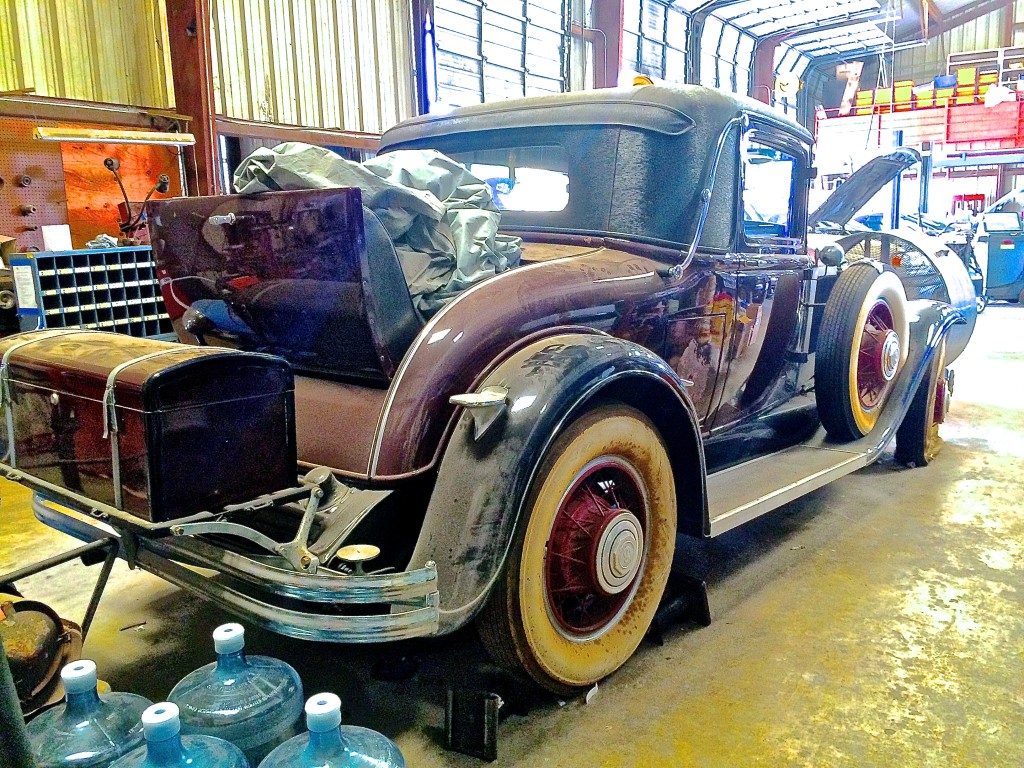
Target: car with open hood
(929,267)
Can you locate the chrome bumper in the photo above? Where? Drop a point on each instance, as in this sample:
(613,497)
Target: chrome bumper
(380,607)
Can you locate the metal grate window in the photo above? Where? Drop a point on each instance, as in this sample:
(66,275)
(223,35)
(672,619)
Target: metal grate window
(727,53)
(487,50)
(654,39)
(789,61)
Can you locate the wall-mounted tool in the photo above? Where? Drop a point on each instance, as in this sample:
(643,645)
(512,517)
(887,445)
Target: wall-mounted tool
(131,223)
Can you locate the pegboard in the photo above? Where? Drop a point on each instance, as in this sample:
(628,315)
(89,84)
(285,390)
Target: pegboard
(41,161)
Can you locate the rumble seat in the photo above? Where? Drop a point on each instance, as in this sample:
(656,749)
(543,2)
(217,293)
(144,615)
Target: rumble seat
(309,275)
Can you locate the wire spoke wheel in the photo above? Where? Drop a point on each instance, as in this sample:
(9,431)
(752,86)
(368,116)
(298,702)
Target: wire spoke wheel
(591,555)
(862,344)
(878,356)
(917,439)
(596,547)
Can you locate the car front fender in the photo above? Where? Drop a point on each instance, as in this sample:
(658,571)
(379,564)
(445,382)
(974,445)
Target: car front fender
(489,464)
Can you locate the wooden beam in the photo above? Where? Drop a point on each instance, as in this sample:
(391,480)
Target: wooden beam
(762,73)
(276,132)
(188,28)
(930,14)
(47,108)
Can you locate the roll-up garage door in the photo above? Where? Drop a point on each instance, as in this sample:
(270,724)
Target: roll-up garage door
(488,50)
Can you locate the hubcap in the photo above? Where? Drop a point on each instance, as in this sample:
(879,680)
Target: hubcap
(620,546)
(890,355)
(597,548)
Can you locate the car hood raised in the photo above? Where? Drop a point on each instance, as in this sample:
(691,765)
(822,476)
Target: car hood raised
(854,193)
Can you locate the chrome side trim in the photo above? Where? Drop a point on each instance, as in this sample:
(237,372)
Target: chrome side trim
(426,333)
(740,121)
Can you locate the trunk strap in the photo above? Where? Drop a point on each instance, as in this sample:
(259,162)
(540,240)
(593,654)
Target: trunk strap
(110,410)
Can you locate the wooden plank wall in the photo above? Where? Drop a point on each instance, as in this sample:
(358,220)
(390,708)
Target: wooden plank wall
(112,51)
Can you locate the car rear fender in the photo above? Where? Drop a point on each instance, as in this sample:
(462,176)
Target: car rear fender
(494,452)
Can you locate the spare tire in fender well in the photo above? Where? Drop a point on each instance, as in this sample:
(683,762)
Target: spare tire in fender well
(477,499)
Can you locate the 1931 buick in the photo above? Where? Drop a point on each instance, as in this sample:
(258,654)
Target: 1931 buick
(667,360)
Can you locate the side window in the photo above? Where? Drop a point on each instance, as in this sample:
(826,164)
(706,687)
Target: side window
(769,174)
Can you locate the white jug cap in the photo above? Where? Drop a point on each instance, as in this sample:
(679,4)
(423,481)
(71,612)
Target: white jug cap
(229,638)
(323,712)
(161,721)
(79,676)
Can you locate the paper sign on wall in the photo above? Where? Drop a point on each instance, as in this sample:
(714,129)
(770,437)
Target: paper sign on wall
(25,287)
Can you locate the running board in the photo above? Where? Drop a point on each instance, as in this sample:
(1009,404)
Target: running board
(739,494)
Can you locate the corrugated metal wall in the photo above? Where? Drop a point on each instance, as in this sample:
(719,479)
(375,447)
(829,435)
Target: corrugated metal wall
(337,64)
(112,51)
(923,63)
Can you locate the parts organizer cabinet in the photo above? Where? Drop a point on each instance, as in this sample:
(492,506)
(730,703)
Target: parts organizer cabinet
(107,289)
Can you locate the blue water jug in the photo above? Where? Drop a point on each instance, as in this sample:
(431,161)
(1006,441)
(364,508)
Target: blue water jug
(165,747)
(254,702)
(329,744)
(87,729)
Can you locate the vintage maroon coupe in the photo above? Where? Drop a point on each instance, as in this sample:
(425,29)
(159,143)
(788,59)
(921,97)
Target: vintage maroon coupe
(666,361)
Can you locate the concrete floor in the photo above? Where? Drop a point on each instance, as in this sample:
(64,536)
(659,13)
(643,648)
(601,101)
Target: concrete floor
(876,622)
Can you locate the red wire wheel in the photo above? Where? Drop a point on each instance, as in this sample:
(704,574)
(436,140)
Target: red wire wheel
(596,547)
(862,343)
(591,557)
(878,357)
(917,439)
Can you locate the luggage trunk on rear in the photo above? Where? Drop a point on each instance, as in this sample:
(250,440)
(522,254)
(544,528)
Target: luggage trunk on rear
(158,430)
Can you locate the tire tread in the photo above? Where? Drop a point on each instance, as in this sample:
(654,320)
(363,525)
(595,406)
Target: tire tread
(832,357)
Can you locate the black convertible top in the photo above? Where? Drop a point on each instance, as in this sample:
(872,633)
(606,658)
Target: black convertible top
(637,159)
(670,110)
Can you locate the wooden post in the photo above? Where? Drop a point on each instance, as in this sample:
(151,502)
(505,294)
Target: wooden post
(608,17)
(188,28)
(762,73)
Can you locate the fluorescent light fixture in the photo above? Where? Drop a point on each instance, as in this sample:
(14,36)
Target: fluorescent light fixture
(99,136)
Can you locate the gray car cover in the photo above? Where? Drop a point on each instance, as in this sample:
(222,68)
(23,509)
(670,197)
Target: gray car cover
(442,219)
